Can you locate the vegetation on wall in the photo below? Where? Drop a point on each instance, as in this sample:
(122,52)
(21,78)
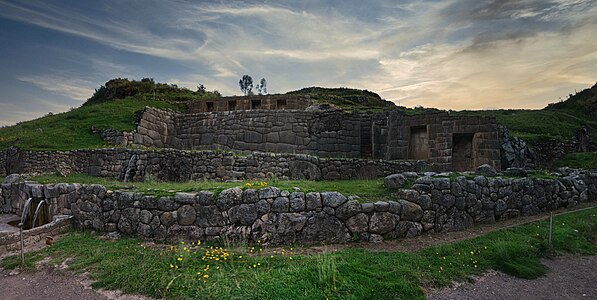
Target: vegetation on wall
(586,160)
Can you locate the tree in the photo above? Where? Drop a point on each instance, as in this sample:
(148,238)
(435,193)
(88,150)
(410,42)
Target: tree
(246,84)
(262,87)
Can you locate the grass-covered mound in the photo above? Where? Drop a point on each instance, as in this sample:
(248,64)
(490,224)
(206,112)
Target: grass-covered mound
(113,105)
(558,120)
(345,98)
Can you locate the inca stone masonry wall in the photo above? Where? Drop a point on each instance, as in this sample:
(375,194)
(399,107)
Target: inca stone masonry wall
(447,143)
(281,217)
(2,163)
(278,102)
(182,165)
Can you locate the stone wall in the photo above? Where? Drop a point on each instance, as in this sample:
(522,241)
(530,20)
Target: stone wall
(278,102)
(11,241)
(184,165)
(2,164)
(329,133)
(281,217)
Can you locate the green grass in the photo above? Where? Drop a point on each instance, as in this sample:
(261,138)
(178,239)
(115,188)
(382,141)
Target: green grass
(72,130)
(586,160)
(248,273)
(534,125)
(367,190)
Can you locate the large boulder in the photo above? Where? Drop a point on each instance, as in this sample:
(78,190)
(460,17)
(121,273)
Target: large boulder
(323,228)
(486,170)
(394,181)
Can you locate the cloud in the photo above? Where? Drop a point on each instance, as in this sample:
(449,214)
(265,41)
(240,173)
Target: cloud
(68,86)
(510,74)
(450,54)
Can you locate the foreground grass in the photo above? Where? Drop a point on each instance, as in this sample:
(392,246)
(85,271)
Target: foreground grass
(248,273)
(367,190)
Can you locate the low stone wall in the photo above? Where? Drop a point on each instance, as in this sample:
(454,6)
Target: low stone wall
(11,241)
(183,165)
(281,217)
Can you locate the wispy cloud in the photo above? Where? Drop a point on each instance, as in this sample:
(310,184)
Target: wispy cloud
(68,86)
(450,54)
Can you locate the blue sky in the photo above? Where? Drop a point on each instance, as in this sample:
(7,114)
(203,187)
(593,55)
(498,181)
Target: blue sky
(453,54)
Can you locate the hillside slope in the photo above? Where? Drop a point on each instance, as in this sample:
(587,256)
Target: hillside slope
(113,105)
(559,120)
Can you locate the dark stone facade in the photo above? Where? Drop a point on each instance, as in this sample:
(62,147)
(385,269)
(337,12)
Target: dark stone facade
(447,143)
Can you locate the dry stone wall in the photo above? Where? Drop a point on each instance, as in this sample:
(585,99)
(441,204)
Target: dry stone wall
(278,102)
(275,216)
(461,143)
(183,165)
(2,164)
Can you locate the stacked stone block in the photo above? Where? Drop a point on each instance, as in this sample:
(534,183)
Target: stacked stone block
(275,216)
(183,165)
(2,164)
(327,133)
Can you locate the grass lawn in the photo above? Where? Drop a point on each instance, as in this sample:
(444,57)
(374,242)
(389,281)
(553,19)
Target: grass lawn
(256,272)
(367,190)
(586,160)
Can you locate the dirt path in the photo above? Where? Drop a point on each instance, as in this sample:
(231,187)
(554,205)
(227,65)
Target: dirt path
(52,283)
(569,277)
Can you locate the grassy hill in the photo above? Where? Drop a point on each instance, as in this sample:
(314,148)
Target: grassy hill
(558,120)
(115,104)
(345,98)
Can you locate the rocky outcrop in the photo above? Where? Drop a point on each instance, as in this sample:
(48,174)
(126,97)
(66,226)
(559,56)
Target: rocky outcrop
(514,151)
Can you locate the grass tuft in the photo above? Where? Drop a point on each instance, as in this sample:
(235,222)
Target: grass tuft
(516,259)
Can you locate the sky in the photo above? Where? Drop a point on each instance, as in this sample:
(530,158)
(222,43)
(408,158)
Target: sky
(449,54)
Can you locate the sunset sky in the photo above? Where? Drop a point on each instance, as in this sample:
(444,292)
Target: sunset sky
(453,54)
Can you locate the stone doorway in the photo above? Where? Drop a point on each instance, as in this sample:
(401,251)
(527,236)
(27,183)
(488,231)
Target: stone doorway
(418,146)
(463,151)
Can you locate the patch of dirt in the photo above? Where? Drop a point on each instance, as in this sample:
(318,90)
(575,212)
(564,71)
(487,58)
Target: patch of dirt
(569,277)
(51,282)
